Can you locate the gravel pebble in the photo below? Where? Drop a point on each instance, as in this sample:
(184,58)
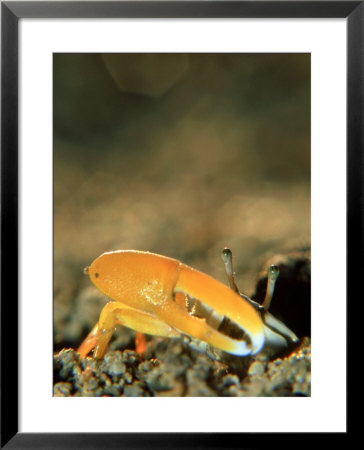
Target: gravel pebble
(62,389)
(256,368)
(181,371)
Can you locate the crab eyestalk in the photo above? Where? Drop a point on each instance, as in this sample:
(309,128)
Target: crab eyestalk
(227,258)
(277,334)
(273,273)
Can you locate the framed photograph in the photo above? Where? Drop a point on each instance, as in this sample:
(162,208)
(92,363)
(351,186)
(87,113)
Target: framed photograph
(168,169)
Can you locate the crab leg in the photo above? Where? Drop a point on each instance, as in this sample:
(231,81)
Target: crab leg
(140,343)
(90,342)
(116,313)
(278,326)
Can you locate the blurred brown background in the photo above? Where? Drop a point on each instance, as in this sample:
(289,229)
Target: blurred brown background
(178,154)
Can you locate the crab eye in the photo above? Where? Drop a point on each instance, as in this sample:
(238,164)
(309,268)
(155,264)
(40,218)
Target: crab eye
(273,272)
(226,255)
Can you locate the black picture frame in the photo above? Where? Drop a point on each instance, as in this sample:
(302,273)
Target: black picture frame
(11,13)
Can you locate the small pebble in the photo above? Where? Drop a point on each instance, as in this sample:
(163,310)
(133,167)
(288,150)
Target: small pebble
(62,389)
(130,357)
(128,377)
(256,368)
(136,390)
(113,364)
(229,380)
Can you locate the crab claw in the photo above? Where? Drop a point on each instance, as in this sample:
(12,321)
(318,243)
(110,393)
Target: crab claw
(217,301)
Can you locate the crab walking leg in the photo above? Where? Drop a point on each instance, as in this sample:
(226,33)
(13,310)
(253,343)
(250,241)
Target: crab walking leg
(224,301)
(278,326)
(116,313)
(140,343)
(89,343)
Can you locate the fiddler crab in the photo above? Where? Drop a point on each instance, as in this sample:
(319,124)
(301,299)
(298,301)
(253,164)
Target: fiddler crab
(161,296)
